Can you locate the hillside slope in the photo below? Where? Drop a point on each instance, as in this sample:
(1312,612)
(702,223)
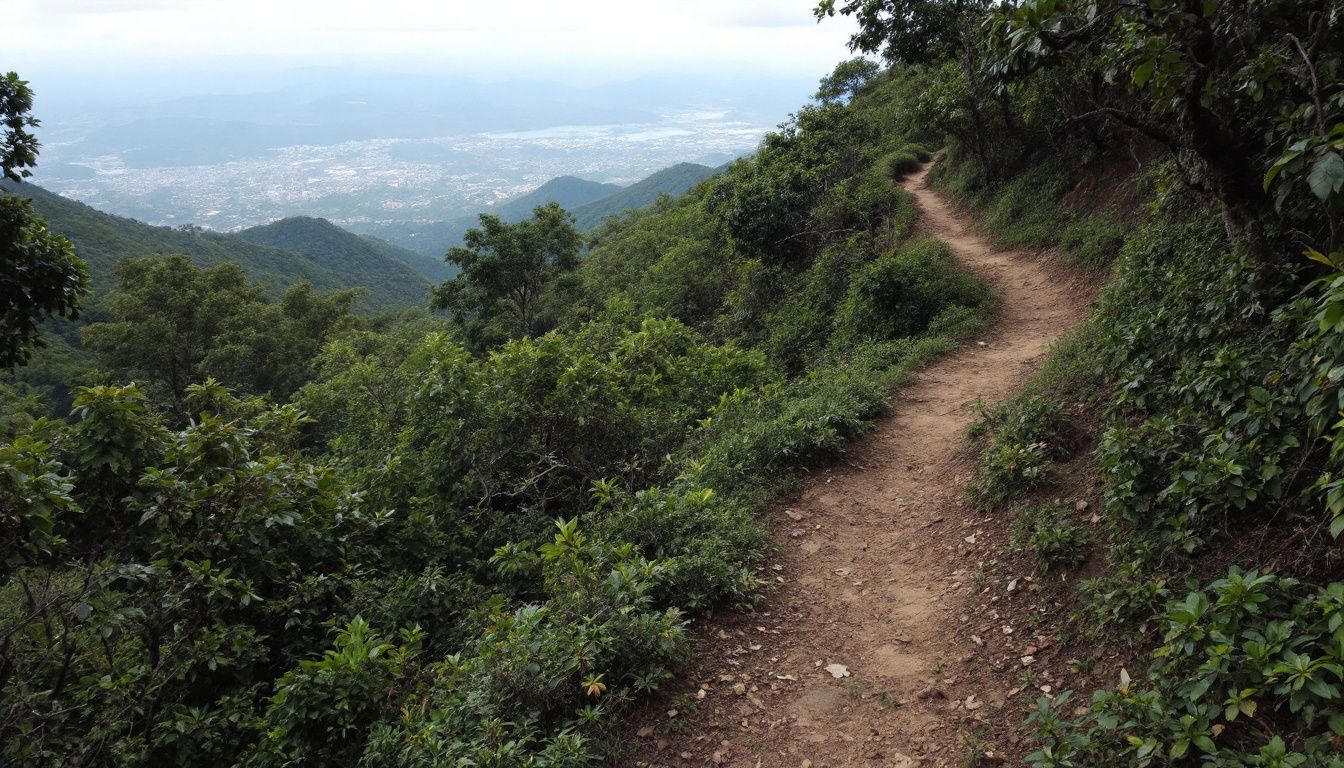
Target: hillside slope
(103,240)
(580,197)
(381,267)
(871,557)
(570,192)
(672,181)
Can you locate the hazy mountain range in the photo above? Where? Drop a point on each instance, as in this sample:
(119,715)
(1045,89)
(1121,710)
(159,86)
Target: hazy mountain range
(312,249)
(369,151)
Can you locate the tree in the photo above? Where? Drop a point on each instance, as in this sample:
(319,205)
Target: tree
(176,324)
(40,275)
(1210,80)
(906,31)
(846,80)
(928,32)
(505,268)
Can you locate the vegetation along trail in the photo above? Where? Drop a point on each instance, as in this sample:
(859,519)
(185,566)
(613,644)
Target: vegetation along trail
(858,658)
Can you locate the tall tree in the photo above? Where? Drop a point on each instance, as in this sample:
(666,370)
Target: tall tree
(505,269)
(176,324)
(928,32)
(1219,83)
(40,275)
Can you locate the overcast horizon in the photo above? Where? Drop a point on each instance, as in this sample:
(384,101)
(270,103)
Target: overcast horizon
(583,43)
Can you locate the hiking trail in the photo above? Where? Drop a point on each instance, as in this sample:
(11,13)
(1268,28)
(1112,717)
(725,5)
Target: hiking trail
(876,555)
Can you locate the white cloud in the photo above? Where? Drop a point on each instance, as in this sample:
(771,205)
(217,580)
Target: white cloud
(522,35)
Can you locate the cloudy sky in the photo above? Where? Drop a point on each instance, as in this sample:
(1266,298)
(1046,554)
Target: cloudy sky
(575,39)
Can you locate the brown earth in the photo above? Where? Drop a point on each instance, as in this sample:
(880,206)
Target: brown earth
(880,565)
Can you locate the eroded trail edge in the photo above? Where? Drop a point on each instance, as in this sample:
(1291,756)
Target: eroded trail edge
(876,556)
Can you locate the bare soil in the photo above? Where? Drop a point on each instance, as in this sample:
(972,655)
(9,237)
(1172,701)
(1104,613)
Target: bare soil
(881,645)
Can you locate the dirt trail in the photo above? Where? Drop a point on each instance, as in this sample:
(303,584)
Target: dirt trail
(876,565)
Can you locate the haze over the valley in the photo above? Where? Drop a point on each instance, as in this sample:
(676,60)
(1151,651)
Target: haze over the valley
(396,112)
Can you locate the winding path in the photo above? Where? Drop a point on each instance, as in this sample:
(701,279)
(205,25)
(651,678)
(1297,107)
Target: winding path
(875,558)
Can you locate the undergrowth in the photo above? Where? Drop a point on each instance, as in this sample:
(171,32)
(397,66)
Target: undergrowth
(1215,402)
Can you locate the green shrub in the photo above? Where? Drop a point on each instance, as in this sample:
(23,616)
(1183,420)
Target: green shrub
(1049,532)
(1094,241)
(920,153)
(901,163)
(1023,211)
(900,295)
(1024,437)
(1247,651)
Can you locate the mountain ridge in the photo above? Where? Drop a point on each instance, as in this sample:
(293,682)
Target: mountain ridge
(103,240)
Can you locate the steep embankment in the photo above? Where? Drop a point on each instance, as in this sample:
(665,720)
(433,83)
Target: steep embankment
(858,658)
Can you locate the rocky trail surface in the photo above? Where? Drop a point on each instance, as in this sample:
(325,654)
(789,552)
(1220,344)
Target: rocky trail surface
(866,655)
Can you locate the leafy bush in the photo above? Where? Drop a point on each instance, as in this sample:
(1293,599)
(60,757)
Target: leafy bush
(1023,211)
(901,163)
(921,154)
(900,294)
(1094,241)
(1051,534)
(1024,437)
(1248,649)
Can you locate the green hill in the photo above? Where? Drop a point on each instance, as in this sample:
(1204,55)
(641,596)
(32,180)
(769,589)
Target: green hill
(669,181)
(570,192)
(377,265)
(103,240)
(589,201)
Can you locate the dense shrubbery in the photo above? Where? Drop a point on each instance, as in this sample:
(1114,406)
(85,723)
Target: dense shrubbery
(462,543)
(1215,393)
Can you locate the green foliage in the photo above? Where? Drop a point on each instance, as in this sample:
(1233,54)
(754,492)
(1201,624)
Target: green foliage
(505,268)
(1093,241)
(103,241)
(1248,648)
(672,182)
(901,163)
(384,271)
(469,541)
(40,275)
(908,31)
(1023,211)
(41,278)
(901,294)
(846,80)
(18,150)
(1023,438)
(176,324)
(1049,532)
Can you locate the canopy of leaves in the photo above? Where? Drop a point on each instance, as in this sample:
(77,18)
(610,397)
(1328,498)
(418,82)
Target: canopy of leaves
(40,275)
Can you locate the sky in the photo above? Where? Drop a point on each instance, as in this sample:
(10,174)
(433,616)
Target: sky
(577,41)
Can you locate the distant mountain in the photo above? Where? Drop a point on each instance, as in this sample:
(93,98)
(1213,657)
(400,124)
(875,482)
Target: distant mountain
(672,181)
(104,240)
(602,200)
(570,192)
(371,263)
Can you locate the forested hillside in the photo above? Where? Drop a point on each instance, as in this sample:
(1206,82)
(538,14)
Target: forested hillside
(288,535)
(673,181)
(589,201)
(104,240)
(386,272)
(469,542)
